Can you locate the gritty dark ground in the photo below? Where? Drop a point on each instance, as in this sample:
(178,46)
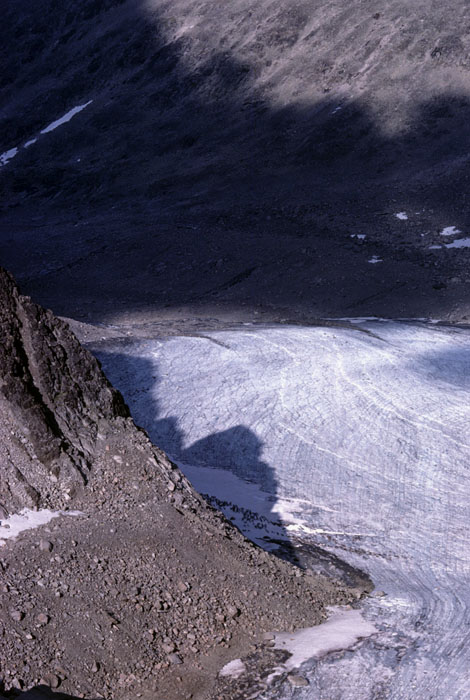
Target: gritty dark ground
(130,279)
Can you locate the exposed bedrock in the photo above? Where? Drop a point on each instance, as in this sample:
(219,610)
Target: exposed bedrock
(55,400)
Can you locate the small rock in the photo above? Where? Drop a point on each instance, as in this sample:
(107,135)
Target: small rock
(50,680)
(178,500)
(45,546)
(96,667)
(111,619)
(16,615)
(174,659)
(297,681)
(169,647)
(233,611)
(42,618)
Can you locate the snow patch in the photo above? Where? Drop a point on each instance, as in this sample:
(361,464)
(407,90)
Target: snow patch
(28,520)
(434,247)
(7,155)
(234,669)
(450,231)
(459,243)
(375,259)
(402,215)
(11,153)
(360,236)
(66,118)
(342,630)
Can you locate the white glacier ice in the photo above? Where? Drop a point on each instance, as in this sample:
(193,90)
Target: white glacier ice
(354,440)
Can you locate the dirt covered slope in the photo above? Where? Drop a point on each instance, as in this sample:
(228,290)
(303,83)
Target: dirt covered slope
(139,586)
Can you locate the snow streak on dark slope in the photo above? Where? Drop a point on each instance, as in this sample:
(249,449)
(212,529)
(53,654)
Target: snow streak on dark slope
(222,139)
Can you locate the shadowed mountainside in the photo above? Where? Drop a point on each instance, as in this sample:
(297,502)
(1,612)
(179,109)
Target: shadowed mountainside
(229,155)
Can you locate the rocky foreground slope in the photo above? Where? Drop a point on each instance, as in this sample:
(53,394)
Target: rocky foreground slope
(145,588)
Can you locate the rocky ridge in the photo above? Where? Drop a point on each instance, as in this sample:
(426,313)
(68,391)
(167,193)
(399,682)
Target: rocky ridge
(54,399)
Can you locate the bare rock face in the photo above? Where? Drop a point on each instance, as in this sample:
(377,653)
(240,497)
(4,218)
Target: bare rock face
(53,401)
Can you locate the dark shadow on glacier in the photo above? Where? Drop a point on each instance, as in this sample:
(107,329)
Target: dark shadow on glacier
(235,451)
(449,364)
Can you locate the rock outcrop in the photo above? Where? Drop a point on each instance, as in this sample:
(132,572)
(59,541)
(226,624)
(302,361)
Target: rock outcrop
(54,400)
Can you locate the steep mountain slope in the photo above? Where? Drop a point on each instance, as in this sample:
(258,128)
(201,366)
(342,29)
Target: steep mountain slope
(54,399)
(220,149)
